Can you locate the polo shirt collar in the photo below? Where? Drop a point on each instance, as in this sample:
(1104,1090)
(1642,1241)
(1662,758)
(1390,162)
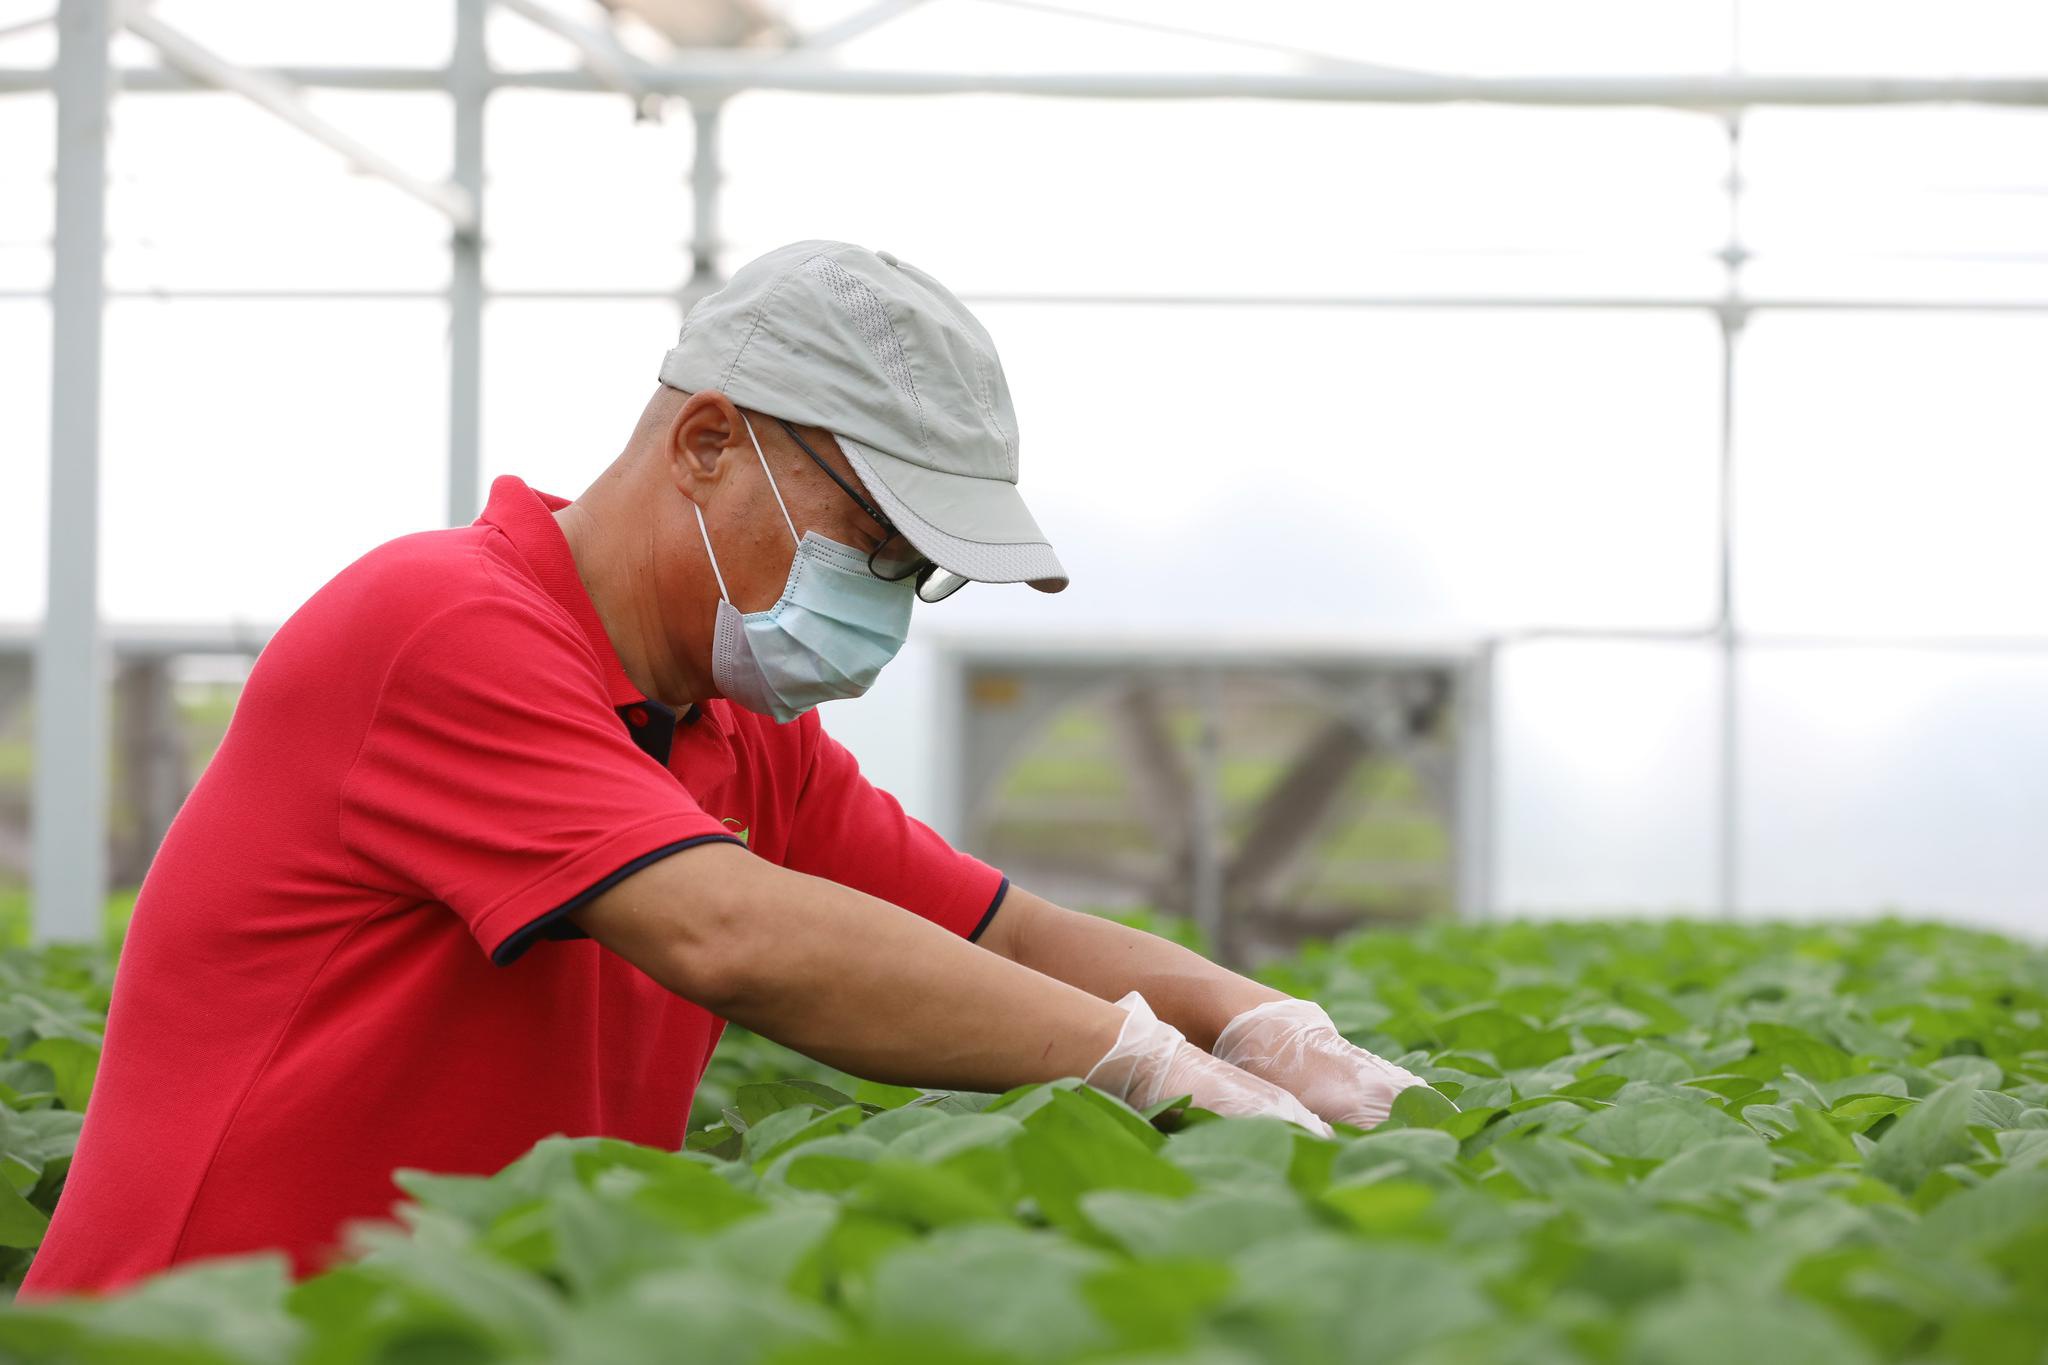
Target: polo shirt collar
(526,517)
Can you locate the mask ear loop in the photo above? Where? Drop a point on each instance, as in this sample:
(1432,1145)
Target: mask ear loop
(771,481)
(712,554)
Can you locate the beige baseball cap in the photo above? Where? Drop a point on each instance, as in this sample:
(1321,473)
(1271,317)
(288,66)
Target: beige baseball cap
(884,357)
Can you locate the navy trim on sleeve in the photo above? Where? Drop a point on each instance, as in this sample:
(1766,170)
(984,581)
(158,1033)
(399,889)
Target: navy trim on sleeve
(990,913)
(555,924)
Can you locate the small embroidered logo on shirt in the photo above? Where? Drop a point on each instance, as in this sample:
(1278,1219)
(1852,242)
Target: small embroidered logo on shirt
(737,828)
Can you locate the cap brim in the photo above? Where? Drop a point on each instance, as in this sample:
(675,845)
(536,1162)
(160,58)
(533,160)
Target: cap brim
(979,529)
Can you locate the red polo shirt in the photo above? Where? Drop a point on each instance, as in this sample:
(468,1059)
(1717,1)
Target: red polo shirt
(336,964)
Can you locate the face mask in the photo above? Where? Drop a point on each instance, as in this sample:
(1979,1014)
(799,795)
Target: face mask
(825,638)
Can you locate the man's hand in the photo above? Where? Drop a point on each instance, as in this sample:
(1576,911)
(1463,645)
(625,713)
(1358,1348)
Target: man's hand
(1151,1062)
(1293,1044)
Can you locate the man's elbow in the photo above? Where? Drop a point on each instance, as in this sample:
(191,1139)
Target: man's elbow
(712,957)
(690,922)
(714,976)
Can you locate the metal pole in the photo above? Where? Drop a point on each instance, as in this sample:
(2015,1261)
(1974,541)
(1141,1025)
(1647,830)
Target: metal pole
(707,178)
(1728,861)
(1473,814)
(469,83)
(1208,816)
(70,810)
(1732,314)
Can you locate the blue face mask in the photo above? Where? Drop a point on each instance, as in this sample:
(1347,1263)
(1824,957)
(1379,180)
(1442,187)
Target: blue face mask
(826,637)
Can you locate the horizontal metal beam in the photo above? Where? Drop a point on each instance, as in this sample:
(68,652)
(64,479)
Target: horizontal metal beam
(718,74)
(1419,301)
(2021,643)
(1082,649)
(153,638)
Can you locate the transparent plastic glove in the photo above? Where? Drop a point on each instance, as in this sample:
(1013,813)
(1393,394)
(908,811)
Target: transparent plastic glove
(1151,1061)
(1293,1044)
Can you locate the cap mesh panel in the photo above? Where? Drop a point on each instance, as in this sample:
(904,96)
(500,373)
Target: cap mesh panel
(871,319)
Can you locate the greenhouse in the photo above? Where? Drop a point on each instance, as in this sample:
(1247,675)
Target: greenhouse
(569,789)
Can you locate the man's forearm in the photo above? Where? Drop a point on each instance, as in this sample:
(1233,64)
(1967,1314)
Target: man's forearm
(1105,958)
(873,989)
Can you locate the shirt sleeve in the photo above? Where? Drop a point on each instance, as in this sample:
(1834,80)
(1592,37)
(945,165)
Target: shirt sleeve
(852,832)
(497,779)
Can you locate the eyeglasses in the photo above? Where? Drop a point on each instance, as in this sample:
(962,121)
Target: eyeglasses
(881,564)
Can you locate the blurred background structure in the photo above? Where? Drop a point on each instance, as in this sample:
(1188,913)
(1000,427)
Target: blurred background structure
(1560,457)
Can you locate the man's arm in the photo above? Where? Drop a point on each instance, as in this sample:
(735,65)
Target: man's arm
(853,981)
(871,988)
(1105,958)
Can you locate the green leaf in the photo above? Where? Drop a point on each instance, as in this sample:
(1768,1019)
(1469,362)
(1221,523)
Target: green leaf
(1545,1165)
(1656,1130)
(1714,1326)
(760,1138)
(1648,1062)
(1716,1166)
(821,1093)
(1336,1297)
(1859,1112)
(718,1140)
(1386,1208)
(766,1141)
(1125,1117)
(994,1288)
(1214,1223)
(1480,1028)
(1156,1305)
(1153,1111)
(757,1101)
(1533,1048)
(1928,1136)
(72,1063)
(924,1196)
(1418,1106)
(1242,1150)
(22,1224)
(886,1096)
(948,1135)
(1981,1072)
(1780,1048)
(2008,1210)
(225,1309)
(1816,1135)
(1598,1086)
(1409,1150)
(1071,1146)
(695,1313)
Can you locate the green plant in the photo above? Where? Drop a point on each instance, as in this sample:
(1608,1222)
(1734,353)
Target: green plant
(1646,1142)
(53,1008)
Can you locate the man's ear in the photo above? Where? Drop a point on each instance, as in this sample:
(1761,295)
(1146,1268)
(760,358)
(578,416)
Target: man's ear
(702,441)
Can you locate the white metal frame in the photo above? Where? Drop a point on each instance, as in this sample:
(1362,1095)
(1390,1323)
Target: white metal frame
(71,667)
(1066,668)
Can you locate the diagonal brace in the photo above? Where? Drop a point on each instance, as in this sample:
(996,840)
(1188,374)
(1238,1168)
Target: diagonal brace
(603,57)
(203,64)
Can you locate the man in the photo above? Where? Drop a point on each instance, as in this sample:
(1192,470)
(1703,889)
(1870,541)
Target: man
(512,817)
